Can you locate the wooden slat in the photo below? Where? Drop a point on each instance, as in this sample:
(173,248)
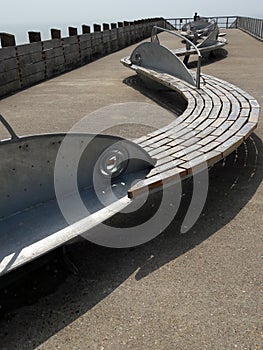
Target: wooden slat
(153,140)
(203,162)
(191,141)
(247,130)
(205,124)
(169,152)
(206,132)
(206,140)
(245,112)
(154,151)
(176,142)
(162,142)
(230,145)
(215,98)
(184,152)
(210,146)
(222,128)
(254,115)
(182,132)
(169,177)
(237,125)
(191,156)
(167,166)
(216,121)
(164,160)
(214,114)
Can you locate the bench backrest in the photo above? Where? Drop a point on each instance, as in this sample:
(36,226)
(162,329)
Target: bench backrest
(28,165)
(154,55)
(211,39)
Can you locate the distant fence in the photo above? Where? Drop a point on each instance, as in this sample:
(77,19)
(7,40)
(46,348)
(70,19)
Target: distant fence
(222,21)
(252,26)
(22,66)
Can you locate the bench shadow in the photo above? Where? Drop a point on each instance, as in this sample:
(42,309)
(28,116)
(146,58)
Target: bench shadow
(60,297)
(219,55)
(44,298)
(162,96)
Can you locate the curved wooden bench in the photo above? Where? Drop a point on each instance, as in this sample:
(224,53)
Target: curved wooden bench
(211,43)
(218,118)
(218,44)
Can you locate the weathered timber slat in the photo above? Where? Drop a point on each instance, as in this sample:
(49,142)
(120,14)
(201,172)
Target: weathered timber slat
(217,119)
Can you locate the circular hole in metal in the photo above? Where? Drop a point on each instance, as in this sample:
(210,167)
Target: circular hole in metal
(113,162)
(138,59)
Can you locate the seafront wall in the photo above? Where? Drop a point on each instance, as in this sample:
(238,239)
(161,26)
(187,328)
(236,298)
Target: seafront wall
(22,66)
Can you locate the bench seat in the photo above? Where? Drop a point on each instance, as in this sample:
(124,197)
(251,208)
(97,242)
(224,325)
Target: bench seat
(218,45)
(218,118)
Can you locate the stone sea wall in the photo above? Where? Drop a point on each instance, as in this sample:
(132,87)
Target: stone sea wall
(22,66)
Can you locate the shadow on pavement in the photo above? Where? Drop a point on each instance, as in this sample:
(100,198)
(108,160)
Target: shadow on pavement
(43,297)
(162,96)
(219,55)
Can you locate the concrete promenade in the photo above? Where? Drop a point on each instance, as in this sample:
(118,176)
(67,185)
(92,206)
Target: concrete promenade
(200,290)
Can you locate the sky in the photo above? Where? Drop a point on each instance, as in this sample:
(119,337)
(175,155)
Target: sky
(19,16)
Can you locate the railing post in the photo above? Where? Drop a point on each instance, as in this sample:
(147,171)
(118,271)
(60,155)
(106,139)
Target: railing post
(106,26)
(181,22)
(96,27)
(7,39)
(85,29)
(72,31)
(55,33)
(34,37)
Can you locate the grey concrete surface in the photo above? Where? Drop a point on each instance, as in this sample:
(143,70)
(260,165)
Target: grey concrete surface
(57,104)
(200,290)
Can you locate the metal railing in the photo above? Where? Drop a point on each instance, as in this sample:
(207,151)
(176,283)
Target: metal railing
(252,26)
(154,37)
(222,21)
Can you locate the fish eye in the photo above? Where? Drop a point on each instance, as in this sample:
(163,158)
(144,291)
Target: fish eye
(113,162)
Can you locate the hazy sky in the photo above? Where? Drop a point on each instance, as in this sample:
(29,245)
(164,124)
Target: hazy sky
(78,11)
(19,16)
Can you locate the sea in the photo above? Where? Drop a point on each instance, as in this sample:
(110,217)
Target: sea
(21,30)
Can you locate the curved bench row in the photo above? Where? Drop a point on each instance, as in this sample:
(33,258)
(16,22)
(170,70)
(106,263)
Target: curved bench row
(211,42)
(218,118)
(218,44)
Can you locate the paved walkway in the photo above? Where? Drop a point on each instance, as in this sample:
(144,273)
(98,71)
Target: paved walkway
(201,290)
(57,104)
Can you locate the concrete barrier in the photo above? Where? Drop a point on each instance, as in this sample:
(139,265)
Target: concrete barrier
(24,65)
